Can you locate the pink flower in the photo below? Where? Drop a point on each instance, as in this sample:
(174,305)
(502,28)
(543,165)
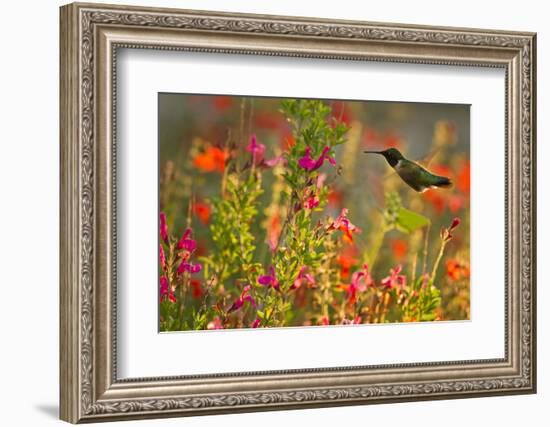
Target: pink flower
(395,279)
(187,243)
(165,290)
(256,149)
(216,323)
(310,164)
(239,302)
(163,228)
(321,178)
(360,280)
(270,280)
(189,267)
(256,323)
(343,224)
(162,258)
(274,161)
(301,278)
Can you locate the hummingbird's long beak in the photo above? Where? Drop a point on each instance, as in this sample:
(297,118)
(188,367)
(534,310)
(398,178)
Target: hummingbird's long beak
(373,152)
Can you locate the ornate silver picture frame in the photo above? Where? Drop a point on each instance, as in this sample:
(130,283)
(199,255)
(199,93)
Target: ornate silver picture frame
(91,34)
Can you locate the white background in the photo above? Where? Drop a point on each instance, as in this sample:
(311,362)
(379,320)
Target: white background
(29,171)
(141,346)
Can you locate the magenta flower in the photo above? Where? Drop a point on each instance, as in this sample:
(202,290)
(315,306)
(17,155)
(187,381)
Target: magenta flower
(395,280)
(312,202)
(244,297)
(163,228)
(301,278)
(186,242)
(189,267)
(310,164)
(162,258)
(270,280)
(166,292)
(256,149)
(256,323)
(343,224)
(360,281)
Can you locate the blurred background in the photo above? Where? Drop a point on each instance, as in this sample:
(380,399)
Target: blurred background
(194,128)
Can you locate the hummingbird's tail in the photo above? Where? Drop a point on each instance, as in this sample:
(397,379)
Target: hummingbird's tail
(442,182)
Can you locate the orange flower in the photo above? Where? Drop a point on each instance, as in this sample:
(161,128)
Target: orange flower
(222,102)
(435,198)
(287,142)
(399,248)
(273,230)
(335,198)
(463,178)
(371,137)
(392,140)
(346,260)
(457,269)
(212,159)
(267,120)
(202,210)
(456,202)
(341,112)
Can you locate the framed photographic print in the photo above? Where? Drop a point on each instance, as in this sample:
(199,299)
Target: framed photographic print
(264,212)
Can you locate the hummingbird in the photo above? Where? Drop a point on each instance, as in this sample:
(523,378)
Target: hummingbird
(418,178)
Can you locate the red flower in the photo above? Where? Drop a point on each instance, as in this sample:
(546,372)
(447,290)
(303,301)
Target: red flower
(196,289)
(446,233)
(256,323)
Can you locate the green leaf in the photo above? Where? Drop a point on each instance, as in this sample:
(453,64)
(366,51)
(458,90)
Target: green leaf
(409,221)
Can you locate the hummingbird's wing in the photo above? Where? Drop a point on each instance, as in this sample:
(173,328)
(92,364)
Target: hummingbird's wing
(427,159)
